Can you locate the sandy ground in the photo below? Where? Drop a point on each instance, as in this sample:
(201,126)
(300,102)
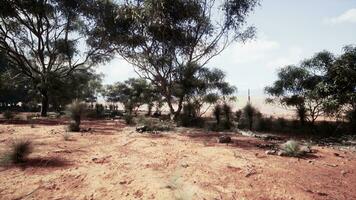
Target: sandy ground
(114,162)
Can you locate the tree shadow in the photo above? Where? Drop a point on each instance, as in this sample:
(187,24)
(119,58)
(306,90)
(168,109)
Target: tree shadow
(38,162)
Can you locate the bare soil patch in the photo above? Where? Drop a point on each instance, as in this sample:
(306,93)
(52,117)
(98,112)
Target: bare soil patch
(112,161)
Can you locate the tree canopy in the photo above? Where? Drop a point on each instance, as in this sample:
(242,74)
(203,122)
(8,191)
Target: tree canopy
(49,39)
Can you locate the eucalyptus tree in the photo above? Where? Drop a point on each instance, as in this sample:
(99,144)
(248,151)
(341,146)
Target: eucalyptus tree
(46,39)
(341,79)
(163,36)
(202,87)
(132,93)
(304,87)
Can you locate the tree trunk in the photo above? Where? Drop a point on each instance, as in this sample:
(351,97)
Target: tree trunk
(45,103)
(180,106)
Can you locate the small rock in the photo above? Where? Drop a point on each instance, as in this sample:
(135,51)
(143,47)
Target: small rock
(344,172)
(141,129)
(281,153)
(224,139)
(270,152)
(185,165)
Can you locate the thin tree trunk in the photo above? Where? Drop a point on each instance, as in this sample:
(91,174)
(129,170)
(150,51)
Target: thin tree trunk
(45,103)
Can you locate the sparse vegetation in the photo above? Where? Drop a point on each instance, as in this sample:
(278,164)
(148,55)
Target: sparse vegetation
(75,110)
(18,152)
(66,136)
(292,148)
(8,115)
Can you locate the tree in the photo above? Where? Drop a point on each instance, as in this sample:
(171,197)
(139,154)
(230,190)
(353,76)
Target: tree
(164,36)
(46,39)
(201,86)
(303,87)
(132,93)
(13,89)
(341,81)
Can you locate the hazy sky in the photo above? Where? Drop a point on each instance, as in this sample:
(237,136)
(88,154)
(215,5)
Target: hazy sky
(287,32)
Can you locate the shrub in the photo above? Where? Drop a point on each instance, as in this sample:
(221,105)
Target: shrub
(18,152)
(238,115)
(153,124)
(8,115)
(128,119)
(292,148)
(263,124)
(73,127)
(189,117)
(249,116)
(76,110)
(249,113)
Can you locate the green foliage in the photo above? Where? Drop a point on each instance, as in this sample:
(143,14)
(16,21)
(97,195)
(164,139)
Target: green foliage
(223,117)
(164,39)
(292,148)
(18,152)
(154,124)
(321,85)
(249,117)
(189,116)
(53,53)
(132,93)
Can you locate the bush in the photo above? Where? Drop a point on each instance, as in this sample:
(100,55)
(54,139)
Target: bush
(249,117)
(238,115)
(73,127)
(18,152)
(189,117)
(153,124)
(128,119)
(263,124)
(76,110)
(8,115)
(292,148)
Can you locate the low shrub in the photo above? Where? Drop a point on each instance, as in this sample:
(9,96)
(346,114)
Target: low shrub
(18,152)
(129,119)
(73,127)
(76,110)
(292,148)
(189,117)
(8,115)
(263,124)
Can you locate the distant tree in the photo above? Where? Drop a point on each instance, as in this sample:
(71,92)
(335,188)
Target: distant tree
(303,87)
(162,37)
(132,93)
(79,85)
(201,86)
(50,39)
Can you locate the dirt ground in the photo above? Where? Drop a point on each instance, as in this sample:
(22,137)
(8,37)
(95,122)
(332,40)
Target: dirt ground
(112,161)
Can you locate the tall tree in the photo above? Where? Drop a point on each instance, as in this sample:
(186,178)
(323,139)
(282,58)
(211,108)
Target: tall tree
(46,39)
(163,36)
